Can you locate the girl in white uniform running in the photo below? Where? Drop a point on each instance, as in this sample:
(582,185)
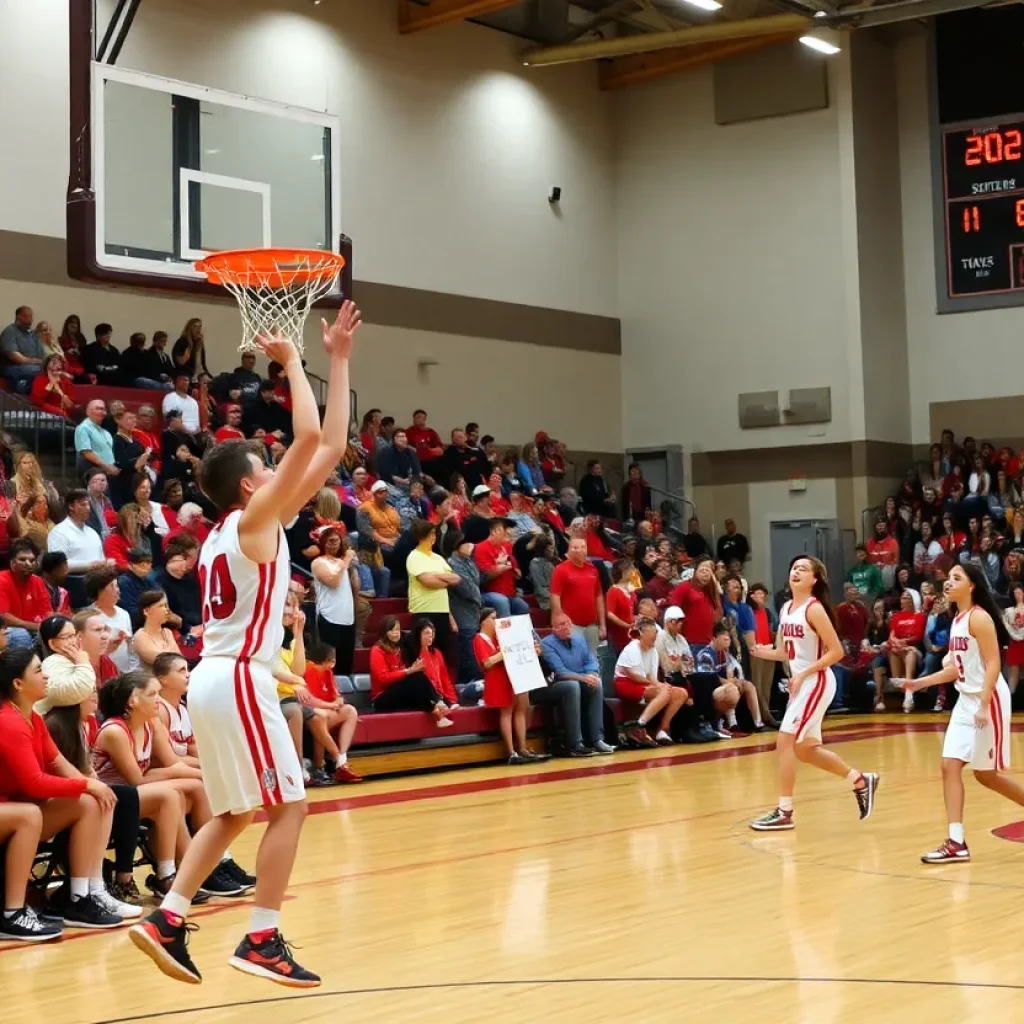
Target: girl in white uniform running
(807,639)
(979,727)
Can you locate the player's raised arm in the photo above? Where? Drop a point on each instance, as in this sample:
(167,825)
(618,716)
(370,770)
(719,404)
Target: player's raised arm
(334,433)
(280,498)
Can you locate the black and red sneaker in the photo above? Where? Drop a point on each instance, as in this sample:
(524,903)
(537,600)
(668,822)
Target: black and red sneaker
(949,851)
(775,821)
(163,937)
(866,794)
(267,955)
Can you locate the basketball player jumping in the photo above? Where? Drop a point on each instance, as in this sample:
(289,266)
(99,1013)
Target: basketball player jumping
(979,727)
(248,757)
(807,639)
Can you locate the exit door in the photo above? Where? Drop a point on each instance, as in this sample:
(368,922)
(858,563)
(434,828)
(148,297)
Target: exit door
(820,538)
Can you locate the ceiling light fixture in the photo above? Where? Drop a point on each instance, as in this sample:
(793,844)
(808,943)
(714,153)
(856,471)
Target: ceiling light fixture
(822,40)
(705,5)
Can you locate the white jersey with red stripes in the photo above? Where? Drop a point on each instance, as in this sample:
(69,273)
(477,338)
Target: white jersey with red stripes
(179,727)
(966,655)
(799,638)
(243,602)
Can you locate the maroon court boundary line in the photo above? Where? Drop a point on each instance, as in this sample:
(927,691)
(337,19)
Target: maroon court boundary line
(858,732)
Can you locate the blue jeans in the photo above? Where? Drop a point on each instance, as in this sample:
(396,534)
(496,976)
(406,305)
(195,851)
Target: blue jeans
(506,606)
(469,669)
(840,698)
(582,709)
(20,377)
(153,385)
(381,580)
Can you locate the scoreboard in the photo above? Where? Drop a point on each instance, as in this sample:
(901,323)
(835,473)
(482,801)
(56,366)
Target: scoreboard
(983,199)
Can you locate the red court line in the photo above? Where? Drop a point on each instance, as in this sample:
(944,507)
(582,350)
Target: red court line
(608,768)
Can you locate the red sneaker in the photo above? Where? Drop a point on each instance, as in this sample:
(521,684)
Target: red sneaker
(948,851)
(345,774)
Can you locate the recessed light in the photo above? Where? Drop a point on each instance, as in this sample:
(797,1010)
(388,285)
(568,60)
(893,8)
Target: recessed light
(705,5)
(823,41)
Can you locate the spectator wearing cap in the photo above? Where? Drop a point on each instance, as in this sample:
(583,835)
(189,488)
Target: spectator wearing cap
(232,429)
(428,446)
(576,689)
(595,497)
(476,526)
(397,464)
(576,591)
(180,401)
(378,523)
(460,458)
(883,550)
(499,572)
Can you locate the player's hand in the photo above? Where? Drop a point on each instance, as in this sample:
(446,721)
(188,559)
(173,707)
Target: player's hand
(764,651)
(277,350)
(982,717)
(338,336)
(102,794)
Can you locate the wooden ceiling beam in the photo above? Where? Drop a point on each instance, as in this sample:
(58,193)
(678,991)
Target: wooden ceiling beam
(413,17)
(643,67)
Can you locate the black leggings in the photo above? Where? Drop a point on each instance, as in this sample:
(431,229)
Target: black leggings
(342,639)
(124,828)
(413,693)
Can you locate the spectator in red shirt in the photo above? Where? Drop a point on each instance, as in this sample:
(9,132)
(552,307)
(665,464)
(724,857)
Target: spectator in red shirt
(700,599)
(499,572)
(428,445)
(620,605)
(24,599)
(597,542)
(192,523)
(399,686)
(576,591)
(232,429)
(340,719)
(51,390)
(906,636)
(500,505)
(952,541)
(884,551)
(660,586)
(126,535)
(73,344)
(32,769)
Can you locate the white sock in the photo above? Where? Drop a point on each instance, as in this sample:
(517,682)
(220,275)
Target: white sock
(8,914)
(662,735)
(785,803)
(731,719)
(758,722)
(96,885)
(227,856)
(79,888)
(956,831)
(263,920)
(852,775)
(175,904)
(342,759)
(165,868)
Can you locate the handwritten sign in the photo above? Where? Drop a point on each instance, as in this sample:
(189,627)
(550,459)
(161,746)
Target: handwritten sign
(515,637)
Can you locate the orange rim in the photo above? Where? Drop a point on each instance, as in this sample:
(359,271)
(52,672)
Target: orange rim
(291,264)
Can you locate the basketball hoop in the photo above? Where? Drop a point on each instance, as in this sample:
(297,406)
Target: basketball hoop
(275,288)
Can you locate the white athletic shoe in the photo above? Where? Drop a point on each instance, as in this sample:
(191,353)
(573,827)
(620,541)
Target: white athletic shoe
(125,911)
(444,723)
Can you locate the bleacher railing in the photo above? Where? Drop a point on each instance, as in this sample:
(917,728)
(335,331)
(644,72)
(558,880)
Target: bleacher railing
(42,432)
(682,509)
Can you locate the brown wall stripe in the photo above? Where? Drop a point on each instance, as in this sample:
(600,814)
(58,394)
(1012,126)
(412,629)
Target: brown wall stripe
(43,260)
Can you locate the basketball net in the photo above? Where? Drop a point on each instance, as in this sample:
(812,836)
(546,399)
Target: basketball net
(275,288)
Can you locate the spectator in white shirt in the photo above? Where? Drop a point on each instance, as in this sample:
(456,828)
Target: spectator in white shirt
(102,592)
(80,543)
(179,399)
(926,550)
(636,680)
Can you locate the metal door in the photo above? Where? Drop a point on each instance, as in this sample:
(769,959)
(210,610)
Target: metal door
(821,538)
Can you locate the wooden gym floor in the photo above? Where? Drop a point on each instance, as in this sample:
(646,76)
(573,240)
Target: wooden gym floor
(622,888)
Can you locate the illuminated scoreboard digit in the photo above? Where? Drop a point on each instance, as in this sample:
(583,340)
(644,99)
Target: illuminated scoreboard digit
(983,182)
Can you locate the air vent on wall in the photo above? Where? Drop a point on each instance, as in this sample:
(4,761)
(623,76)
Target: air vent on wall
(759,409)
(808,405)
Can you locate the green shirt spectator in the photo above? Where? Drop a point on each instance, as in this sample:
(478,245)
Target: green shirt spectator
(865,576)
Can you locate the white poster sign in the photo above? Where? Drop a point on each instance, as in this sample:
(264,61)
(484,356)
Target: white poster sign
(515,637)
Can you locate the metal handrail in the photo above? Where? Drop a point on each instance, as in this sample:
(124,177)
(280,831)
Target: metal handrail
(867,519)
(18,414)
(679,500)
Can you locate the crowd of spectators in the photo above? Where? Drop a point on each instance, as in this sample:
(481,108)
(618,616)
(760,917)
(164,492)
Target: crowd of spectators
(963,505)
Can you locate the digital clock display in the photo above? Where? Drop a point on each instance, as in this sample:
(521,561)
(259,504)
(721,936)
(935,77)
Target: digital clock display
(983,176)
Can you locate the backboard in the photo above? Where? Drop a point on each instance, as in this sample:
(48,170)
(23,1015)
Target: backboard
(165,172)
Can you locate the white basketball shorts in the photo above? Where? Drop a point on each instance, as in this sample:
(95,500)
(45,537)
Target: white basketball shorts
(983,749)
(806,710)
(245,749)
